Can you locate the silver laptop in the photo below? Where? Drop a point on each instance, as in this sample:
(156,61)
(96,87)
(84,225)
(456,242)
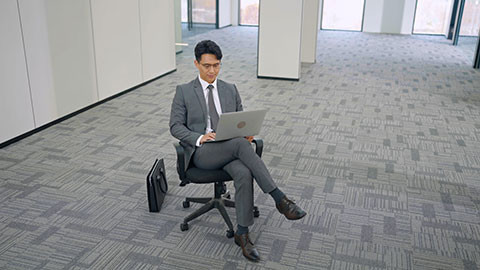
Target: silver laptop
(239,124)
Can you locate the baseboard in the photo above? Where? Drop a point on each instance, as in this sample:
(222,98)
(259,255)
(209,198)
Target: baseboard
(277,78)
(225,26)
(63,118)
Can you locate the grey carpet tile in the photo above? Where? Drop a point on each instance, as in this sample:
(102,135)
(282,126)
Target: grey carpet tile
(379,142)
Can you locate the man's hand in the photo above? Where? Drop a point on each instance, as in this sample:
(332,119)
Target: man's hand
(207,137)
(249,138)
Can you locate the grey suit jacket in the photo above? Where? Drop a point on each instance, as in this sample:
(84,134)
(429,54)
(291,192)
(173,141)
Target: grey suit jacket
(188,116)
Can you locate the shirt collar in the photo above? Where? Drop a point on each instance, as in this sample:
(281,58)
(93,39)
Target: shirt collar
(206,84)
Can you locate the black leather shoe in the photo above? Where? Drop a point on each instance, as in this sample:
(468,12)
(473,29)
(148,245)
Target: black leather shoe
(290,209)
(248,249)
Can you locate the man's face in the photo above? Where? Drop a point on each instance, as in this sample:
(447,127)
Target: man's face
(208,67)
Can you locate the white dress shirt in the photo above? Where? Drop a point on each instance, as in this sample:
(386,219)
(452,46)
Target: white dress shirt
(216,100)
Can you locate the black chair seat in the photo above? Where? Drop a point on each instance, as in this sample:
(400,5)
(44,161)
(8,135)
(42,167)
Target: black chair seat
(196,175)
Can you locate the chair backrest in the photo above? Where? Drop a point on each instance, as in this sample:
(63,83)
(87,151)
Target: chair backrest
(181,163)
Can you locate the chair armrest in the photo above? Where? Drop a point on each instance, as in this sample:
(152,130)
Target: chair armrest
(258,146)
(180,162)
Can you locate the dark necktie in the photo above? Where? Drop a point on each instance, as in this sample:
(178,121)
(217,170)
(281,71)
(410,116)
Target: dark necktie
(212,111)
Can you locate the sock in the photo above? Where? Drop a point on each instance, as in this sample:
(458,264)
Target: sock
(277,195)
(241,230)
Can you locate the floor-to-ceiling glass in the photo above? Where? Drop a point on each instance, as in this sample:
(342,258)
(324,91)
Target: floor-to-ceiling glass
(249,12)
(432,17)
(342,14)
(204,16)
(204,11)
(471,18)
(184,9)
(469,28)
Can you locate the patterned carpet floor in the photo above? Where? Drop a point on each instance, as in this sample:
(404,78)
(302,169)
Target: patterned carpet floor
(379,142)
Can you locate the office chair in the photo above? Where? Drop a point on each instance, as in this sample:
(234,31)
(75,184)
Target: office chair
(221,198)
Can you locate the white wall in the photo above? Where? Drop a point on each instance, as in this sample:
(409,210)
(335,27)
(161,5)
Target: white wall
(309,31)
(52,67)
(224,13)
(116,31)
(72,62)
(16,115)
(37,50)
(158,57)
(389,16)
(279,38)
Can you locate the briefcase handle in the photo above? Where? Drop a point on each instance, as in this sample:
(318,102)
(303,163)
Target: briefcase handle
(164,187)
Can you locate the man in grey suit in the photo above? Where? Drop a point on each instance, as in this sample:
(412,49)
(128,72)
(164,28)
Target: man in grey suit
(195,111)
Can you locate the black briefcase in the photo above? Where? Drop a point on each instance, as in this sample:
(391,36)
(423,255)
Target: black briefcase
(156,186)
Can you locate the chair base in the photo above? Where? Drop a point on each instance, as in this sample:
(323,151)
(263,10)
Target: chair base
(209,204)
(220,202)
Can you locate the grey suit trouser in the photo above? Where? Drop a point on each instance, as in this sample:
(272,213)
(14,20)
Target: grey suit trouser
(238,158)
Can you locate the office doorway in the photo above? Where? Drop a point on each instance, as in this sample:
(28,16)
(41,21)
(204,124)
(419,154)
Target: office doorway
(342,15)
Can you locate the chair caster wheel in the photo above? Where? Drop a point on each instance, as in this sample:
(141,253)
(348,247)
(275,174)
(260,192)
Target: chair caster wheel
(230,233)
(256,213)
(184,227)
(186,204)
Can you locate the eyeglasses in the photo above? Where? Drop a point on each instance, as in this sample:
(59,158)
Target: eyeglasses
(208,66)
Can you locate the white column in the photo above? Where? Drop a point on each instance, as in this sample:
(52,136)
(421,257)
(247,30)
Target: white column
(224,13)
(235,12)
(309,31)
(320,14)
(178,25)
(279,39)
(385,16)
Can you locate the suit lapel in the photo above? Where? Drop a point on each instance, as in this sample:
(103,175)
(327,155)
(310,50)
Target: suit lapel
(221,96)
(197,88)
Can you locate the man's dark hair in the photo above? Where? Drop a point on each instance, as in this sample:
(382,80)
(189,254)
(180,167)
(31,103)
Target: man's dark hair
(207,47)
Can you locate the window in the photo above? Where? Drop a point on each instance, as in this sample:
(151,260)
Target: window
(432,16)
(249,12)
(471,18)
(203,11)
(342,14)
(184,8)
